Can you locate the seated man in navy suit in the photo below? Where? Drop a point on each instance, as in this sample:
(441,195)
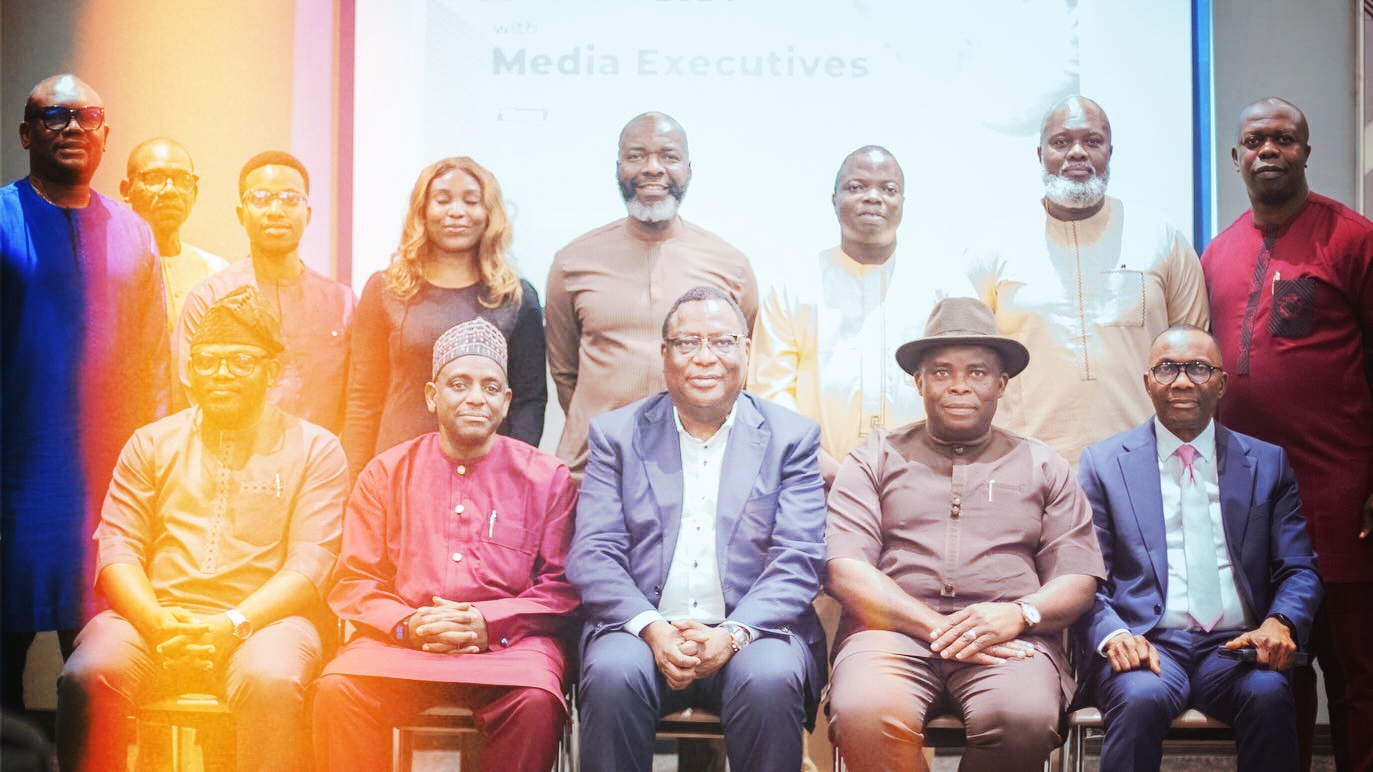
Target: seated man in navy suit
(1206,553)
(699,541)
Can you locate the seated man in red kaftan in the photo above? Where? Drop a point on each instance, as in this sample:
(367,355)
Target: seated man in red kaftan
(451,571)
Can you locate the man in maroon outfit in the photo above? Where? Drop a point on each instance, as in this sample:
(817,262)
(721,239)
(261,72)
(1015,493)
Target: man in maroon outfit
(1291,286)
(451,571)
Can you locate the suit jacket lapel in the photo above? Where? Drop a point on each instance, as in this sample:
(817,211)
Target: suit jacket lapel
(743,460)
(1139,468)
(1235,474)
(657,444)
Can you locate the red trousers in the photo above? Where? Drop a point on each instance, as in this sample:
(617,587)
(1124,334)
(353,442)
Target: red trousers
(352,717)
(1340,643)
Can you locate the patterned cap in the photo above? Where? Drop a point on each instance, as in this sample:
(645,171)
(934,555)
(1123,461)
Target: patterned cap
(475,336)
(242,316)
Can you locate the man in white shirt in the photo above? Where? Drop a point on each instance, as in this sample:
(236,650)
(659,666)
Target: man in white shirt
(1086,287)
(1207,559)
(162,186)
(826,337)
(700,536)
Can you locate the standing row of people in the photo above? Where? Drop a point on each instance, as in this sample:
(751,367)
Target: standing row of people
(675,588)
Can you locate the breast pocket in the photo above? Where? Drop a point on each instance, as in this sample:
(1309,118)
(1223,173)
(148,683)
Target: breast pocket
(507,556)
(1123,301)
(1294,307)
(260,513)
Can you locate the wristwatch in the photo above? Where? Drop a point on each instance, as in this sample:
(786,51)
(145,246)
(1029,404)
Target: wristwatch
(242,627)
(1029,613)
(739,636)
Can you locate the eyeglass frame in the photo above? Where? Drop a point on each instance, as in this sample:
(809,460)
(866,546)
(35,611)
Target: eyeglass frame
(734,339)
(140,178)
(43,115)
(224,361)
(1185,367)
(290,199)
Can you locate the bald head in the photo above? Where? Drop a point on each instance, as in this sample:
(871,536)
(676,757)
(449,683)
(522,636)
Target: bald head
(1074,109)
(1271,151)
(1075,150)
(65,89)
(654,123)
(161,187)
(1274,106)
(158,150)
(868,155)
(68,156)
(869,196)
(654,169)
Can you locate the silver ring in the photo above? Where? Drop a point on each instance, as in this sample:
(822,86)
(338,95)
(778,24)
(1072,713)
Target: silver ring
(970,635)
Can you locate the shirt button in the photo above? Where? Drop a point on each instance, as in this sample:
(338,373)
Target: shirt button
(462,469)
(457,510)
(958,450)
(957,501)
(505,641)
(457,557)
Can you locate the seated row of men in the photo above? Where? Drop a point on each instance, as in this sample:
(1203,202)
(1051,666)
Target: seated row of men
(959,552)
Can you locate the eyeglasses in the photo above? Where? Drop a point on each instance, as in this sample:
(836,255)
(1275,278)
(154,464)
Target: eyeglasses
(154,180)
(262,199)
(721,345)
(59,118)
(240,365)
(1197,372)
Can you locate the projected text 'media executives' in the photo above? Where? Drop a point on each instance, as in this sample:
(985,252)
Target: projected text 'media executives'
(587,61)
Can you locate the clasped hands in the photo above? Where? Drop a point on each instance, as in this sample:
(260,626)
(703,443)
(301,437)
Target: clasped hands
(191,641)
(686,650)
(982,634)
(448,627)
(1272,641)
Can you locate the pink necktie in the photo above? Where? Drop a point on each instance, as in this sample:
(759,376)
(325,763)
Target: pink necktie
(1199,545)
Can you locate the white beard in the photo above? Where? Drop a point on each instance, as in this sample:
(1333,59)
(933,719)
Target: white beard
(1076,195)
(664,210)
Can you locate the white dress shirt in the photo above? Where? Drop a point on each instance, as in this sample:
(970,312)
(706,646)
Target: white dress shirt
(1176,613)
(692,589)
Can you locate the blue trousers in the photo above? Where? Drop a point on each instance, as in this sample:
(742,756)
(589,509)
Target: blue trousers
(1137,706)
(759,695)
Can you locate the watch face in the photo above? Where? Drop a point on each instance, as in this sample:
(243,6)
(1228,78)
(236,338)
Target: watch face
(1031,613)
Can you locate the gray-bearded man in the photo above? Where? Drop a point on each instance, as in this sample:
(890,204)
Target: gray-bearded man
(1085,287)
(609,290)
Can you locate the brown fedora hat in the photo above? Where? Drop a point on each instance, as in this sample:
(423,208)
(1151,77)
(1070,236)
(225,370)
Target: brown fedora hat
(962,322)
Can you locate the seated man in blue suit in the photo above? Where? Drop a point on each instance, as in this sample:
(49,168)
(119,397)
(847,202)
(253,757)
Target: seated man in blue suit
(699,541)
(1206,552)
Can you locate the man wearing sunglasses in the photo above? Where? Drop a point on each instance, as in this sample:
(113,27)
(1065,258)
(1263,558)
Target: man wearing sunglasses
(316,312)
(214,548)
(84,364)
(1206,552)
(162,187)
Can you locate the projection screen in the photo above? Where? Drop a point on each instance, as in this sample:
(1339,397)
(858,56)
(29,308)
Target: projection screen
(772,94)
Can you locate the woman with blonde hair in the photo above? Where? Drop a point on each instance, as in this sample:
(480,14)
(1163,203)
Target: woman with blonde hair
(452,265)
